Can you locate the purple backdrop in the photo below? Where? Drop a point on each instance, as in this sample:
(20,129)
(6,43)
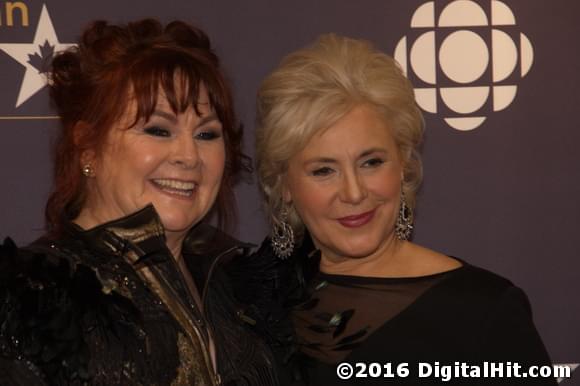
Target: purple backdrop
(502,195)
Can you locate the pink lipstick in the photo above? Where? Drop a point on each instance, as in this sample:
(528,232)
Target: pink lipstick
(357,220)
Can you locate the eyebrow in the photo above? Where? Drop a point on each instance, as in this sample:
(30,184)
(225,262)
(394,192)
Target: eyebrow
(373,150)
(173,119)
(361,155)
(208,118)
(160,113)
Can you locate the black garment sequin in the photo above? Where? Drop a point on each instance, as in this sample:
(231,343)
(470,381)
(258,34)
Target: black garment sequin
(109,306)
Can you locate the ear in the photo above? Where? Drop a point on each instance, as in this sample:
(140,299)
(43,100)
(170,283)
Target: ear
(286,194)
(88,157)
(79,130)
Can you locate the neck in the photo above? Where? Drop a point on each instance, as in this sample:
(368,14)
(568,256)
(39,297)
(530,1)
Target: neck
(174,241)
(87,219)
(383,262)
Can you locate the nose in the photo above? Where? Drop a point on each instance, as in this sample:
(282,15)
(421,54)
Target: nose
(353,190)
(185,153)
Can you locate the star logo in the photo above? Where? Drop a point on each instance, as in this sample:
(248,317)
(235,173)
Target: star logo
(36,56)
(571,366)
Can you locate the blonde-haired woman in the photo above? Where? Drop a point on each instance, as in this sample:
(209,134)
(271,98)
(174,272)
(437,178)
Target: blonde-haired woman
(337,153)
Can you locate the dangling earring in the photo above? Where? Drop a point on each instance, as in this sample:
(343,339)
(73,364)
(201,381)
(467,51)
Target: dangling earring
(88,170)
(404,224)
(282,236)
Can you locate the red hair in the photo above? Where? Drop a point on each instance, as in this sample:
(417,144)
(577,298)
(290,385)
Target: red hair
(90,85)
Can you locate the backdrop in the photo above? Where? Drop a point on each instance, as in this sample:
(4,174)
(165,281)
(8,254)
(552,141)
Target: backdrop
(498,82)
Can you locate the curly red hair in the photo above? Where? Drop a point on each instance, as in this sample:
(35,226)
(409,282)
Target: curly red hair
(90,84)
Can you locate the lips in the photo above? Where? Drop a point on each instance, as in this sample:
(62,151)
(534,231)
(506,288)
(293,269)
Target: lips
(357,220)
(175,187)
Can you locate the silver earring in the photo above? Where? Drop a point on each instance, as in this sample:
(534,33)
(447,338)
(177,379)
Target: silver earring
(404,224)
(88,170)
(282,236)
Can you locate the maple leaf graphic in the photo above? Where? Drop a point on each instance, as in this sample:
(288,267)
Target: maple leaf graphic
(43,61)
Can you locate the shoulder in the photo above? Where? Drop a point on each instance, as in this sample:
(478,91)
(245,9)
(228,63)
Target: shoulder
(480,294)
(462,276)
(31,267)
(480,281)
(37,300)
(501,294)
(47,265)
(417,260)
(46,275)
(505,326)
(49,302)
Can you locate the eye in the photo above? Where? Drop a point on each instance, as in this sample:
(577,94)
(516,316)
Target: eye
(373,162)
(157,131)
(322,172)
(208,134)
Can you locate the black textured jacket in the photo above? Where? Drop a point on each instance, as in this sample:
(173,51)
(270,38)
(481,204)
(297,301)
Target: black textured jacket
(109,306)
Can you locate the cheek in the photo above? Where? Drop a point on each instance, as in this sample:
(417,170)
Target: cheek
(385,185)
(311,200)
(214,160)
(128,166)
(144,159)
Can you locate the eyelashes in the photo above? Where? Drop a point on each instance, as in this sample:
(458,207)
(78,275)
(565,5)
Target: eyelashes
(156,131)
(373,162)
(208,135)
(325,171)
(322,172)
(204,134)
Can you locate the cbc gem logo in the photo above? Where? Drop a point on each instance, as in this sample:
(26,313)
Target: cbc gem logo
(469,66)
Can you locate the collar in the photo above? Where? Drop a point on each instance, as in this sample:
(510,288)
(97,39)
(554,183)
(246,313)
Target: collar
(143,233)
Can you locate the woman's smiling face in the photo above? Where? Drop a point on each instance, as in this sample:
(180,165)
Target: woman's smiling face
(346,185)
(173,161)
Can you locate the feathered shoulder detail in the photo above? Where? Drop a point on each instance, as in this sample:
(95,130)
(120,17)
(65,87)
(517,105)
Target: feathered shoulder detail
(47,304)
(270,288)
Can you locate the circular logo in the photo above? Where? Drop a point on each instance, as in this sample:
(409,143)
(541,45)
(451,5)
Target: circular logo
(465,62)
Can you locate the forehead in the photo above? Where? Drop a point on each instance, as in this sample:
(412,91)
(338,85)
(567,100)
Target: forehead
(358,130)
(201,102)
(141,105)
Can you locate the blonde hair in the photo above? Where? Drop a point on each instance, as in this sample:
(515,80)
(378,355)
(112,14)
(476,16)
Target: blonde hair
(314,87)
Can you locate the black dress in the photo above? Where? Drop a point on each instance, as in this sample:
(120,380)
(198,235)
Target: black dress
(467,315)
(109,306)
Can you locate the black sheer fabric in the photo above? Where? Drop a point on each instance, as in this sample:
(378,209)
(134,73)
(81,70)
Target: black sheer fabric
(466,315)
(345,310)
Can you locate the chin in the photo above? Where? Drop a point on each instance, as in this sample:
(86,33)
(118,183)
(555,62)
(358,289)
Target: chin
(358,248)
(176,222)
(358,253)
(362,242)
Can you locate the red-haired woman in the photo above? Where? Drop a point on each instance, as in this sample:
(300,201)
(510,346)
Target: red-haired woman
(127,287)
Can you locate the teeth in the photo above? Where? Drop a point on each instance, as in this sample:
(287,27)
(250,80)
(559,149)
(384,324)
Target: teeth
(185,193)
(174,184)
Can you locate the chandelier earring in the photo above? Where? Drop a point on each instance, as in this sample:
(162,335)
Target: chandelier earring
(404,223)
(282,236)
(88,170)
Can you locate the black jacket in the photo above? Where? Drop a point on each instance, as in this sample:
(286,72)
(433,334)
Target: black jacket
(109,306)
